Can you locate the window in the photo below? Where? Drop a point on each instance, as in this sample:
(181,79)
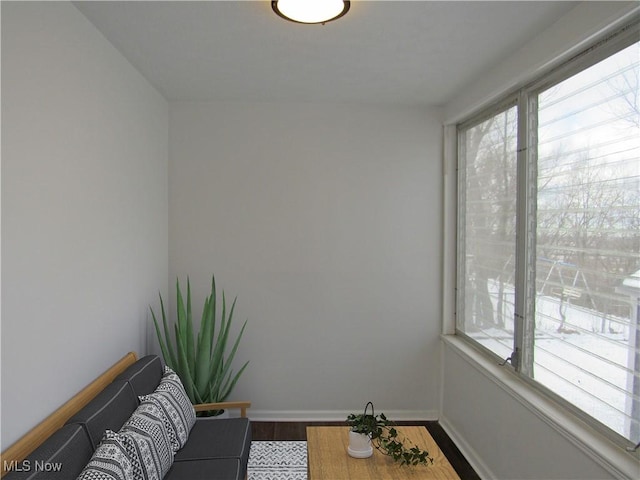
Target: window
(488,151)
(549,234)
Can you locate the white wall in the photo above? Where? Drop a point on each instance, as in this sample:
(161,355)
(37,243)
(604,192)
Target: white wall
(503,427)
(84,208)
(324,220)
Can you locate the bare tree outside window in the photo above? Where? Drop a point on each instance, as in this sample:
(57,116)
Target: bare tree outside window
(490,193)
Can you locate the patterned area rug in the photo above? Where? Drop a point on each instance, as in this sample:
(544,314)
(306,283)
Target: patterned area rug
(278,461)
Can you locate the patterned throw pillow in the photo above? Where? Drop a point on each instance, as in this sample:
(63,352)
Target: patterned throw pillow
(175,420)
(110,461)
(170,383)
(147,443)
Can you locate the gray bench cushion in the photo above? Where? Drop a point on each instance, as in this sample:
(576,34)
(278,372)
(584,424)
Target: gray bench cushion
(64,454)
(212,438)
(216,469)
(108,410)
(144,375)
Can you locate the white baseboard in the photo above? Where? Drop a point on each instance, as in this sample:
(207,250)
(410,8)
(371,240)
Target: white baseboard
(333,415)
(469,453)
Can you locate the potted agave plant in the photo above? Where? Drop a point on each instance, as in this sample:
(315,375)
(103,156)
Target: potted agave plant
(201,361)
(369,430)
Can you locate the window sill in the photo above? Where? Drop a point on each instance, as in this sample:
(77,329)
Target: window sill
(614,458)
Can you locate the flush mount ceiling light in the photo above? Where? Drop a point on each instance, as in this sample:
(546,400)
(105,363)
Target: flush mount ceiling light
(310,11)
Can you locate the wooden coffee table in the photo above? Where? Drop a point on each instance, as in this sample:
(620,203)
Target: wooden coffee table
(328,458)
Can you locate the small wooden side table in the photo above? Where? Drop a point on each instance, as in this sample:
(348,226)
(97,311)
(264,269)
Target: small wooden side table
(328,458)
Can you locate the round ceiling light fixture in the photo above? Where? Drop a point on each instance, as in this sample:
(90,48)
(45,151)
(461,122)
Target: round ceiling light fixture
(310,11)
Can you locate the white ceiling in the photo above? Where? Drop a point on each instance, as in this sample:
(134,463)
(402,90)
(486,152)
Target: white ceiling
(400,52)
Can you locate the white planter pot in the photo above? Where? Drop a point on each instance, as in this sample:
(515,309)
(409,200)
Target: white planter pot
(359,445)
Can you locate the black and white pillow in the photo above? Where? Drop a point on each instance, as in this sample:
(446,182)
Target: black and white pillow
(147,443)
(170,383)
(176,420)
(110,461)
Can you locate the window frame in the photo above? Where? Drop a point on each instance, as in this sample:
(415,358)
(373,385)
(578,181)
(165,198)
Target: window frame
(520,363)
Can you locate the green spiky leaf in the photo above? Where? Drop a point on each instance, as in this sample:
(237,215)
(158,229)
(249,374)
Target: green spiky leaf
(201,360)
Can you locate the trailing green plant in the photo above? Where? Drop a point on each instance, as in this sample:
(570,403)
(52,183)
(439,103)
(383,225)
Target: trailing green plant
(386,438)
(202,363)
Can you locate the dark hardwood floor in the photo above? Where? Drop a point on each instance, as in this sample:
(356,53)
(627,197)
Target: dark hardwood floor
(297,431)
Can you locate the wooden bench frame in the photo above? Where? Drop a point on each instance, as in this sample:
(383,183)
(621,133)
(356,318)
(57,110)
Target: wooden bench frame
(38,434)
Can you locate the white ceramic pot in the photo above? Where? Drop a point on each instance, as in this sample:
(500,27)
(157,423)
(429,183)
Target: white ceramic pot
(359,445)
